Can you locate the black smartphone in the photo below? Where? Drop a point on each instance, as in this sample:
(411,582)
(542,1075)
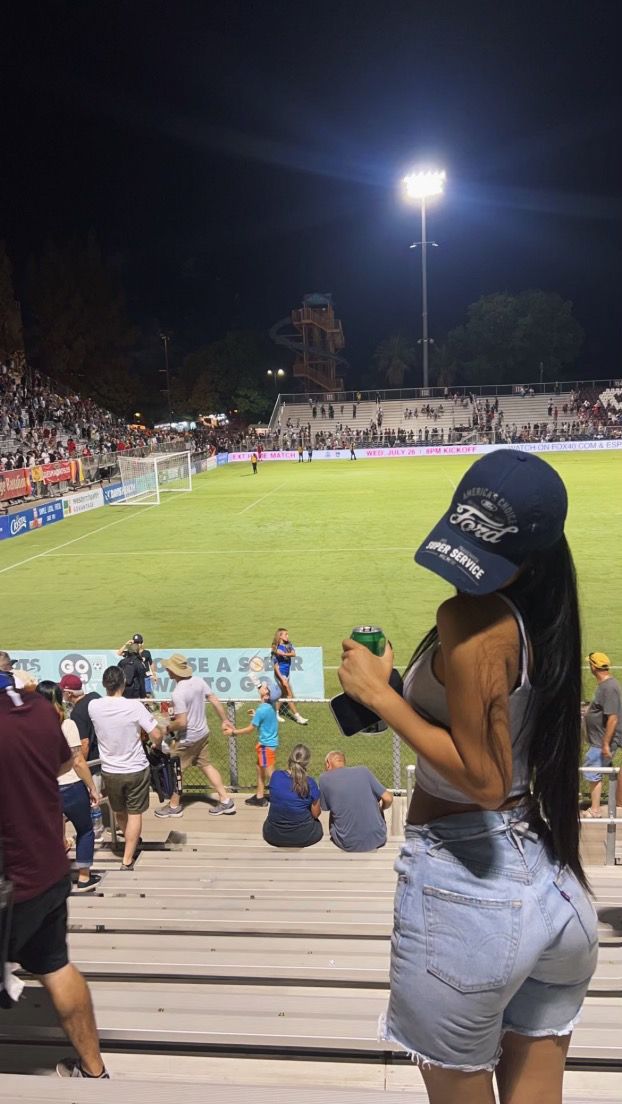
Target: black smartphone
(352,717)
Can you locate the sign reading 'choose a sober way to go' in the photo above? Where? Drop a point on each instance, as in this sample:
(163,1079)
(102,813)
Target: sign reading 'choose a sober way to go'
(226,671)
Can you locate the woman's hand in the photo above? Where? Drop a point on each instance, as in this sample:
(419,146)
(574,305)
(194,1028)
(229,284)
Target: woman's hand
(93,797)
(363,675)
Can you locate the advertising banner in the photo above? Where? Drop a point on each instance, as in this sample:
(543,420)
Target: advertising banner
(84,500)
(61,471)
(35,517)
(226,671)
(15,484)
(435,450)
(113,493)
(235,457)
(222,458)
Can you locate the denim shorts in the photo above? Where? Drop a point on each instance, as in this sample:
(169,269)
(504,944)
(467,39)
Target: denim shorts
(490,935)
(594,758)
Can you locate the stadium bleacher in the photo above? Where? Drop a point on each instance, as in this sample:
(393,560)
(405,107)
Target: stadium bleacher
(221,960)
(457,416)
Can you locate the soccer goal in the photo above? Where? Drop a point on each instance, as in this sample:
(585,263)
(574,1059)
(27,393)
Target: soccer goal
(145,478)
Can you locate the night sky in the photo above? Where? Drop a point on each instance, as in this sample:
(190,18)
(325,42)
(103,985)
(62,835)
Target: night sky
(232,157)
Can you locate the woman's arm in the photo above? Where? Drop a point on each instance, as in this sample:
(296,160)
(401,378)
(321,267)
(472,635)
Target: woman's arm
(316,809)
(480,648)
(81,768)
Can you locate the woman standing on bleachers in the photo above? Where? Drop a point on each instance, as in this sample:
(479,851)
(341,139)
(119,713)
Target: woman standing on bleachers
(495,938)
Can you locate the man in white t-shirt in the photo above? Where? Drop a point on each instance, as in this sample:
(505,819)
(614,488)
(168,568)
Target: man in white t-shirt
(189,729)
(119,725)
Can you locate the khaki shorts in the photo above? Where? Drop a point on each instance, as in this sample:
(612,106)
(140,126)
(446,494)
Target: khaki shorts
(128,793)
(194,755)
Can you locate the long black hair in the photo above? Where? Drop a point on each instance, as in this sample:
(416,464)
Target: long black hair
(53,693)
(545,593)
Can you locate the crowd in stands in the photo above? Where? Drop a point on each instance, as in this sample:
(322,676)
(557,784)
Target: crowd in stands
(40,424)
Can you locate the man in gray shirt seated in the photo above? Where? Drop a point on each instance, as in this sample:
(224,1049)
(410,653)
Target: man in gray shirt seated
(355,800)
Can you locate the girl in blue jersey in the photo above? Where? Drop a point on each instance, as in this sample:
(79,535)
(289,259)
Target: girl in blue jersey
(283,652)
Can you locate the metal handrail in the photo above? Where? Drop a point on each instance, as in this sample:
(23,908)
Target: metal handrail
(611,820)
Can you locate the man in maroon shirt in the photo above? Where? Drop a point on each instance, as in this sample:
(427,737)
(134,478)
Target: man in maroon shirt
(33,752)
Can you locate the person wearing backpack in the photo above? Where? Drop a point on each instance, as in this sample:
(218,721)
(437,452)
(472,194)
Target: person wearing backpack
(133,671)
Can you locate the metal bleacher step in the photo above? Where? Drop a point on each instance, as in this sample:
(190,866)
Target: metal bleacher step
(31,1090)
(214,914)
(271,960)
(259,1018)
(238,1078)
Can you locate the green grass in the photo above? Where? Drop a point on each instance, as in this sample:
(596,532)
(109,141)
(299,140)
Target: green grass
(317,547)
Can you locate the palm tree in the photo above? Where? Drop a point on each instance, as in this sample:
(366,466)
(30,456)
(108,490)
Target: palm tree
(394,357)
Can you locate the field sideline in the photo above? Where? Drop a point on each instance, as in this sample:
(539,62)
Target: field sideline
(317,547)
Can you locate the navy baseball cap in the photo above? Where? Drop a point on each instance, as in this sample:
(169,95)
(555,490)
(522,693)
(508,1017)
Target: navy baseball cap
(507,506)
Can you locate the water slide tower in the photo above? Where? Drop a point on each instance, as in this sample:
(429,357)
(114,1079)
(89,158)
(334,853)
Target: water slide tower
(315,336)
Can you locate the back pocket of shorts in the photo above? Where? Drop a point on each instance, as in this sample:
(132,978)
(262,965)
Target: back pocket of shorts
(471,942)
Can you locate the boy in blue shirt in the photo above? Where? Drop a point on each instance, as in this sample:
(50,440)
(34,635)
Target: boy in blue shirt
(264,722)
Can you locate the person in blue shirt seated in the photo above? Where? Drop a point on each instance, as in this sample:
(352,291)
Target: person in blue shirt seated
(293,819)
(283,652)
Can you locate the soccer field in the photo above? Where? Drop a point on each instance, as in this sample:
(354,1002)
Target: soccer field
(318,547)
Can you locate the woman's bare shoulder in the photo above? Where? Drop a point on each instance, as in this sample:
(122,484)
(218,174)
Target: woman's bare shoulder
(465,615)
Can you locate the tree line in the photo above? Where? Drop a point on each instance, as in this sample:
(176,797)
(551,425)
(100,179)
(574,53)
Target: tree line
(505,339)
(73,325)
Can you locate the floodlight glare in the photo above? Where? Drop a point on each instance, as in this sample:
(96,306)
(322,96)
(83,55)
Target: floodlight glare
(422,185)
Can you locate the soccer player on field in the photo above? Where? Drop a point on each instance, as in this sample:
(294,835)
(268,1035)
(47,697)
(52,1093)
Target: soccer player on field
(264,723)
(254,463)
(283,652)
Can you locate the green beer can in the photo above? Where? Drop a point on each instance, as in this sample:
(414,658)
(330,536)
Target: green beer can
(371,637)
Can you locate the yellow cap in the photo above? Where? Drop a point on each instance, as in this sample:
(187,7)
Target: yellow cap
(599,660)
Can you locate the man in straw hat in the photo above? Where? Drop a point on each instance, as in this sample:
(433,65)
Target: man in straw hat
(603,728)
(190,730)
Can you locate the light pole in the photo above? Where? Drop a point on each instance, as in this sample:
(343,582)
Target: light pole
(167,376)
(418,187)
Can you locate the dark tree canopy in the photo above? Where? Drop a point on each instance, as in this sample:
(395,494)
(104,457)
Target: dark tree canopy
(395,358)
(11,334)
(232,374)
(81,334)
(509,338)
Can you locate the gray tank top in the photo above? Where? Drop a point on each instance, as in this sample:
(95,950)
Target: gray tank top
(427,696)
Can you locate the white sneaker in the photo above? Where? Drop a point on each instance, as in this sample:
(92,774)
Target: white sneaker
(300,720)
(169,811)
(281,719)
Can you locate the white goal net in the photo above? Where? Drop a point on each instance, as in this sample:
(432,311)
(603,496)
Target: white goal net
(146,478)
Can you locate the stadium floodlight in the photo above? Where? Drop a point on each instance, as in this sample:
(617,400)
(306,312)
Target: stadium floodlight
(419,187)
(422,185)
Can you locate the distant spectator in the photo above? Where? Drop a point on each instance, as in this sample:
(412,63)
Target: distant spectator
(355,800)
(34,753)
(78,702)
(264,723)
(293,819)
(190,732)
(145,657)
(133,672)
(77,791)
(120,724)
(603,727)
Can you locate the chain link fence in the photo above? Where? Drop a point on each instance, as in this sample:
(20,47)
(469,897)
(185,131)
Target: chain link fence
(235,757)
